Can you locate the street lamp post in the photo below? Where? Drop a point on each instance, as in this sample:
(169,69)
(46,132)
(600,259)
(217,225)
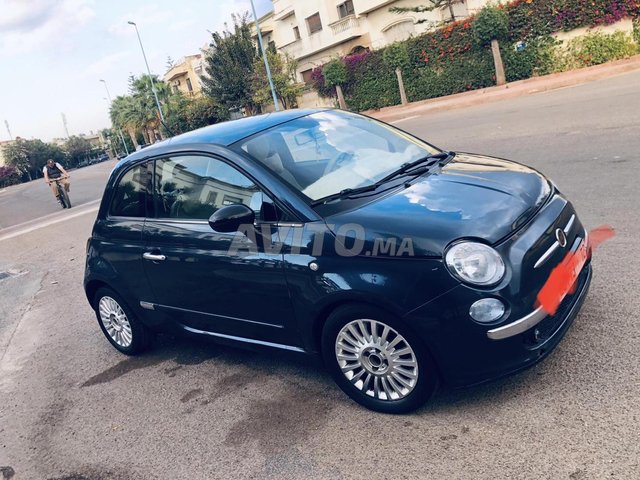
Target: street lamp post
(153,87)
(264,57)
(124,144)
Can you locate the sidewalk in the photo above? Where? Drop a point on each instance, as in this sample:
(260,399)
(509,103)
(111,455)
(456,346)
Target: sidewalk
(510,90)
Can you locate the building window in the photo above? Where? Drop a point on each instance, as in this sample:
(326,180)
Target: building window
(314,24)
(306,76)
(296,32)
(345,9)
(189,86)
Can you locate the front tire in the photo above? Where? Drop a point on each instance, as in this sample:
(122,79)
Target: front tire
(118,323)
(377,360)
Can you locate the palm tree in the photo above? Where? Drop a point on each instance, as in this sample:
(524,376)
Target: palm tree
(140,88)
(125,114)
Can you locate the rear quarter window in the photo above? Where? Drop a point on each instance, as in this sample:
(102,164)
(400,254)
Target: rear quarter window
(129,195)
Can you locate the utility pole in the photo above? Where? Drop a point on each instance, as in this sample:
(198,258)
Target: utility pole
(64,122)
(6,122)
(264,57)
(153,87)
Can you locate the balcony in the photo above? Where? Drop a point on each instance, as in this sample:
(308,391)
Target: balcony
(294,49)
(349,25)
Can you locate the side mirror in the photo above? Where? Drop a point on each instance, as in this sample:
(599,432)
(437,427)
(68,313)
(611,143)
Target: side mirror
(228,219)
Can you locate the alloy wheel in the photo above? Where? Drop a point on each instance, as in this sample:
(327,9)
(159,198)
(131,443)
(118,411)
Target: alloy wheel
(376,359)
(115,321)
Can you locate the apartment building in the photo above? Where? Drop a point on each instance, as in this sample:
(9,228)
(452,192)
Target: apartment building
(185,75)
(314,31)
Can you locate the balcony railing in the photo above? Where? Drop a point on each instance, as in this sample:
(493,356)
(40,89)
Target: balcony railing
(347,24)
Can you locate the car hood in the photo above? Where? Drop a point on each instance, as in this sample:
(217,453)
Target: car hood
(471,196)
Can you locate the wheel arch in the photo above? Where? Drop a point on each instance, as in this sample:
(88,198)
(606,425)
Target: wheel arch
(322,316)
(92,286)
(327,309)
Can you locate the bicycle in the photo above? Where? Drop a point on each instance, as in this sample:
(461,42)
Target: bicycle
(63,196)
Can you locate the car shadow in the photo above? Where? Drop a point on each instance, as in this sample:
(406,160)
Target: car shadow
(304,372)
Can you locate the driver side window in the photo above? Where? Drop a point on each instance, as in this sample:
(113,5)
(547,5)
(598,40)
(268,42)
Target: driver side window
(193,187)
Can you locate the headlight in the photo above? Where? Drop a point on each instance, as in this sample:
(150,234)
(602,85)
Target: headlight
(475,263)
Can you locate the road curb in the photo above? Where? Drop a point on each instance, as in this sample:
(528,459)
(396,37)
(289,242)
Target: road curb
(520,88)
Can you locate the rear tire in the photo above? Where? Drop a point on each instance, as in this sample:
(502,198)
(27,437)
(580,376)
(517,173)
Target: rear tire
(119,324)
(377,360)
(66,203)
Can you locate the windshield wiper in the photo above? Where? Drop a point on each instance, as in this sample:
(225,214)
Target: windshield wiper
(405,169)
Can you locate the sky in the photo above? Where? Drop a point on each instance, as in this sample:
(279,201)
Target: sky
(53,54)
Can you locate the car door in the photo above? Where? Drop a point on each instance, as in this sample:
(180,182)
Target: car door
(221,283)
(118,236)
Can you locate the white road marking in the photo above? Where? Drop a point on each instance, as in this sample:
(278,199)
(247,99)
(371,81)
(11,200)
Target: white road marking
(30,226)
(405,119)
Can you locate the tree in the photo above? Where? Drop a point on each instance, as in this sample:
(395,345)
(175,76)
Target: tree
(9,175)
(138,112)
(149,117)
(29,156)
(78,149)
(283,73)
(125,115)
(185,114)
(335,74)
(430,7)
(229,64)
(490,26)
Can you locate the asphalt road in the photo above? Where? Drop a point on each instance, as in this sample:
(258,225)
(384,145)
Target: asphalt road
(33,200)
(71,407)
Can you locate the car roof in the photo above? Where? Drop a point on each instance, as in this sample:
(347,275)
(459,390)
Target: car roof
(226,133)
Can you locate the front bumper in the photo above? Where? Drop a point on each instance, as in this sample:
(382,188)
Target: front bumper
(519,326)
(467,356)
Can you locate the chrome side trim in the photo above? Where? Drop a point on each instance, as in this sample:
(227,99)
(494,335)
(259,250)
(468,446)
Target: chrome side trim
(244,340)
(178,309)
(519,326)
(290,224)
(153,257)
(147,305)
(567,229)
(545,256)
(177,220)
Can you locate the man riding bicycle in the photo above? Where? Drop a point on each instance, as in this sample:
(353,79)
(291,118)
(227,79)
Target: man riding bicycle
(52,171)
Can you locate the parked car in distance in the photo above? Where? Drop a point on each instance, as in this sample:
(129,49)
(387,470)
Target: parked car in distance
(401,265)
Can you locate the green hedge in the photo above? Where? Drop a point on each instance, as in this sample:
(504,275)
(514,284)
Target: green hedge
(465,72)
(371,84)
(449,60)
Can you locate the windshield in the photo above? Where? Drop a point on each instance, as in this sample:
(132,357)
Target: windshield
(328,152)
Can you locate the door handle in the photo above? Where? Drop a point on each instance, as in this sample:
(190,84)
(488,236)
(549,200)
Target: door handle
(153,257)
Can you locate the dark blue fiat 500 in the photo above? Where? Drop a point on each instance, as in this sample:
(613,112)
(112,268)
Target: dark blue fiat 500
(331,233)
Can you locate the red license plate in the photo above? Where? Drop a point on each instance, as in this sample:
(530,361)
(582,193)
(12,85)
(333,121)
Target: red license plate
(562,280)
